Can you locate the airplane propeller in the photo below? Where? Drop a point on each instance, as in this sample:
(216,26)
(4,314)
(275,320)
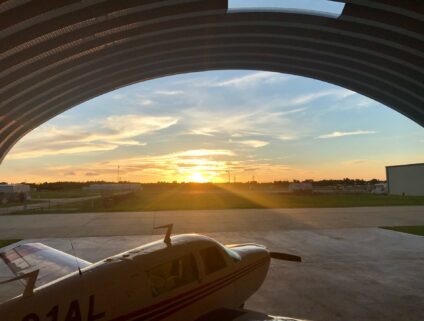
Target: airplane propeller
(285,256)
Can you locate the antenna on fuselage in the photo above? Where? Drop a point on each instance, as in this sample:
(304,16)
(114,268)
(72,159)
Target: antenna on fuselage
(167,239)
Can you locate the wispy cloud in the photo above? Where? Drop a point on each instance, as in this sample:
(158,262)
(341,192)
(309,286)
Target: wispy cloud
(236,123)
(92,174)
(308,98)
(169,92)
(355,161)
(203,152)
(337,134)
(145,102)
(101,135)
(133,125)
(59,149)
(252,143)
(213,164)
(251,79)
(181,164)
(287,137)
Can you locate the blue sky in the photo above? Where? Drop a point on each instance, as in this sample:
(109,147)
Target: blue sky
(329,7)
(198,126)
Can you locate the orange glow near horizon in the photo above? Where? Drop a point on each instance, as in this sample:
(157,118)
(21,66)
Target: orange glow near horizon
(198,177)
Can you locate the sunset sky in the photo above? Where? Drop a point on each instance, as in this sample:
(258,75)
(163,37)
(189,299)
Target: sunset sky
(199,126)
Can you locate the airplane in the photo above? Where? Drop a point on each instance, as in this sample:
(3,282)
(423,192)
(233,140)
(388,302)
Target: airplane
(180,278)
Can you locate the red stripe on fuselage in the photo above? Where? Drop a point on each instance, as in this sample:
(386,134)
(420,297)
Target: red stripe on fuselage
(189,294)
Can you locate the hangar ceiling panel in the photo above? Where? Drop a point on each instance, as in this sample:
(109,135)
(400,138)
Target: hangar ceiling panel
(56,54)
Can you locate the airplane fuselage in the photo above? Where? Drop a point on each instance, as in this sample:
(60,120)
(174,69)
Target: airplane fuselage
(179,281)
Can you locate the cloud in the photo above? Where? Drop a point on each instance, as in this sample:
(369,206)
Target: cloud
(252,143)
(58,149)
(307,98)
(337,134)
(145,102)
(251,79)
(92,174)
(355,161)
(99,135)
(169,92)
(203,131)
(204,152)
(287,137)
(235,123)
(132,125)
(213,164)
(291,111)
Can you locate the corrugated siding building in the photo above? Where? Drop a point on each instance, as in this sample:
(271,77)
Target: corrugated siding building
(405,179)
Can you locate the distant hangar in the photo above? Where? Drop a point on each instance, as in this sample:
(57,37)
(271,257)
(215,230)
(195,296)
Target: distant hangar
(405,179)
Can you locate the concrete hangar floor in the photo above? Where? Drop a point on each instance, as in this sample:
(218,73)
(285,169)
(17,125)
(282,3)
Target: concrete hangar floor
(351,269)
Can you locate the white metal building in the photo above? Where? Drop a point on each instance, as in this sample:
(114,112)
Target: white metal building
(405,179)
(14,192)
(15,188)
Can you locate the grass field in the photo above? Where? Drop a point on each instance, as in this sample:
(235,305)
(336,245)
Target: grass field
(177,200)
(4,243)
(416,230)
(61,194)
(11,204)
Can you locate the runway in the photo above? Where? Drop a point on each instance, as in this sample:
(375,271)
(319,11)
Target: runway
(351,270)
(205,221)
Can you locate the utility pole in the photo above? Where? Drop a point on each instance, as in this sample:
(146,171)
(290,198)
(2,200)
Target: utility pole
(229,176)
(119,178)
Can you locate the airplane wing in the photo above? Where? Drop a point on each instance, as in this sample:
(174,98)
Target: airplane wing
(225,314)
(51,263)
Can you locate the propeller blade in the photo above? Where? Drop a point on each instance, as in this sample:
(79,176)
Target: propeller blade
(285,256)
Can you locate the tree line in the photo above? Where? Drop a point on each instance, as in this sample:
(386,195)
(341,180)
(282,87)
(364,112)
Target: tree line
(68,185)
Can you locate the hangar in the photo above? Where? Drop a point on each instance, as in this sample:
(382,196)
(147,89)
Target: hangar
(56,54)
(405,179)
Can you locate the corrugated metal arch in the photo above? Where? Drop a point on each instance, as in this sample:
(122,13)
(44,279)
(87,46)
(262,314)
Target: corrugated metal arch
(57,54)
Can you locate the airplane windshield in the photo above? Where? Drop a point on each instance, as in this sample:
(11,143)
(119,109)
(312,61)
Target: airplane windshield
(233,254)
(213,260)
(173,274)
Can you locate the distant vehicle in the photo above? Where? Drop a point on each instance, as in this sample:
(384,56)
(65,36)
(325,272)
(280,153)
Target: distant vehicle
(380,188)
(183,278)
(14,193)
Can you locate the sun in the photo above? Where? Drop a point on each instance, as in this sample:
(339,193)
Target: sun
(198,178)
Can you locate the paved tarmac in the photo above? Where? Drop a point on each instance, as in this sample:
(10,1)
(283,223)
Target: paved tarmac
(203,221)
(45,203)
(52,202)
(351,269)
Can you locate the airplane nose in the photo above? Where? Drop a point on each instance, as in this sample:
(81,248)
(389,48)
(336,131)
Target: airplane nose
(250,251)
